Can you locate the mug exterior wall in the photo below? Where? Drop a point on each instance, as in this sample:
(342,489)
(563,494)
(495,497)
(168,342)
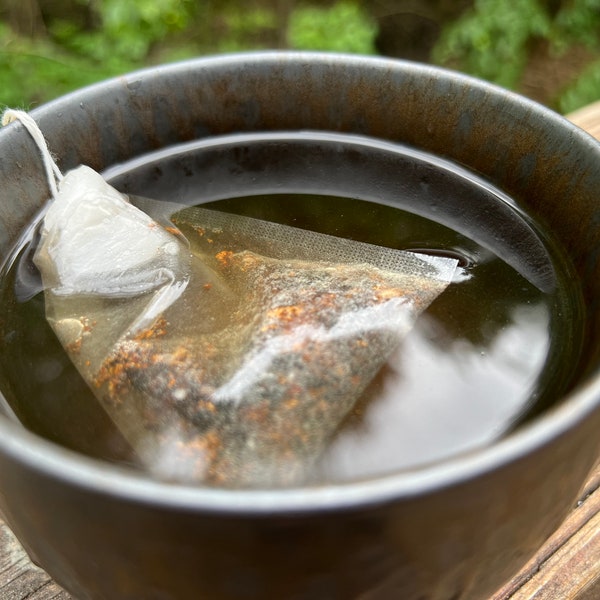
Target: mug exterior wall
(447,533)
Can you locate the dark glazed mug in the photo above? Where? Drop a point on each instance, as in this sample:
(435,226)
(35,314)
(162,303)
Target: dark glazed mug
(449,531)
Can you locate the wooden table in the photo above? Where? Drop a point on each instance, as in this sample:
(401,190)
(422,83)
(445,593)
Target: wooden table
(567,567)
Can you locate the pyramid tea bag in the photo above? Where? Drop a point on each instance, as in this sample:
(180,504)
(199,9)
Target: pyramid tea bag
(226,349)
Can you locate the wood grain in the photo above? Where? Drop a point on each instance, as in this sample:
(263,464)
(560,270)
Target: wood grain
(588,118)
(567,566)
(20,579)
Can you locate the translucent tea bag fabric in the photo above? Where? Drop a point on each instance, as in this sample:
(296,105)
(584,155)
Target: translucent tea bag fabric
(227,350)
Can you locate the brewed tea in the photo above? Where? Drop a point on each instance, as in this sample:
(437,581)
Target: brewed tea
(480,359)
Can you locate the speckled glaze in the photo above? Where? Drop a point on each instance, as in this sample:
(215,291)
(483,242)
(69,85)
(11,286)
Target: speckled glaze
(452,531)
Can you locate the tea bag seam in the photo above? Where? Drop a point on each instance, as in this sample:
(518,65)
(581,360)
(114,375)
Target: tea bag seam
(309,244)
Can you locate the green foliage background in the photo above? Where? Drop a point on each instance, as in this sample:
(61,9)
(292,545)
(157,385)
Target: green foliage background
(493,39)
(126,35)
(58,50)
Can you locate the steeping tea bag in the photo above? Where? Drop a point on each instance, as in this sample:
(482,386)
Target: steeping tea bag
(227,350)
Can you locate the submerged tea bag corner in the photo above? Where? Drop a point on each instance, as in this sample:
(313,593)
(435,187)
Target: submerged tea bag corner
(227,350)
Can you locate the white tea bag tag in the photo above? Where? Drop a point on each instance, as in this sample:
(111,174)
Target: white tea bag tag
(93,241)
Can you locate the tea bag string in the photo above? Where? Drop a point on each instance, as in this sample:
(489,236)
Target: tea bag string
(53,173)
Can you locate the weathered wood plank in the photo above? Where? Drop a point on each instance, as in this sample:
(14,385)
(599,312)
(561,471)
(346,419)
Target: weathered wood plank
(20,579)
(571,572)
(567,566)
(588,118)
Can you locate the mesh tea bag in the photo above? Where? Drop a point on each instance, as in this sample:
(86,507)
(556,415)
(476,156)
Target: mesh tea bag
(227,350)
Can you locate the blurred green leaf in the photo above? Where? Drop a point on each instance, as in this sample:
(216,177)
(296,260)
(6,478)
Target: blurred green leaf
(490,40)
(344,27)
(493,41)
(584,91)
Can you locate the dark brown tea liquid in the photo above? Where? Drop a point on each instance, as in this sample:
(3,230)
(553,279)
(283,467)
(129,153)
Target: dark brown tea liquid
(496,348)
